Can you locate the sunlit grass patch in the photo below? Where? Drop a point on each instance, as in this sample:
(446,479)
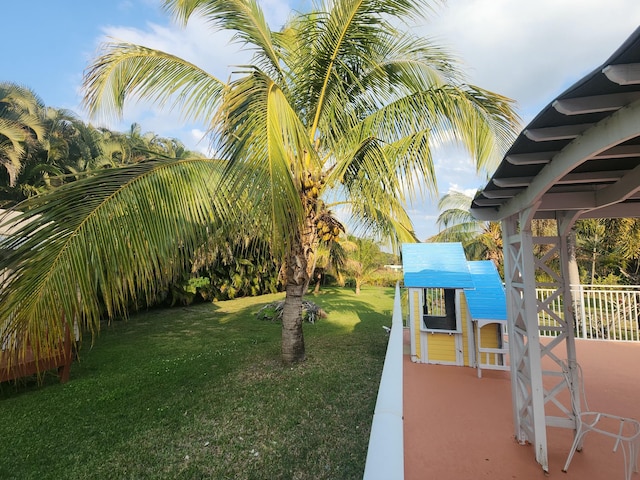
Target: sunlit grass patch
(200,392)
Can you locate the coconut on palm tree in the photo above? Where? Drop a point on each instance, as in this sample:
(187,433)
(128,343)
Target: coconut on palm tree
(338,108)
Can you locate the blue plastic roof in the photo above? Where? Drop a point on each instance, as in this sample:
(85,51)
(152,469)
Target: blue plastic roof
(487,301)
(441,265)
(445,265)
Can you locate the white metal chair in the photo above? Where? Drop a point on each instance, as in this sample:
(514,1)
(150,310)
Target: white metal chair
(625,431)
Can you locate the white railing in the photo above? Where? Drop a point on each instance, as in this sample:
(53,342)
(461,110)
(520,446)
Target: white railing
(385,455)
(609,312)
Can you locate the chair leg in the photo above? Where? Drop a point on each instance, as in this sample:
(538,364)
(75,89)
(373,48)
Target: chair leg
(577,441)
(634,447)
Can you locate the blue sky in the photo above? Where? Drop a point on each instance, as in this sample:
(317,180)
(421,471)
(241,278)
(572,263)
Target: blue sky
(527,50)
(46,45)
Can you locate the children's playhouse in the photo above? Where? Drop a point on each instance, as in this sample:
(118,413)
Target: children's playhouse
(457,308)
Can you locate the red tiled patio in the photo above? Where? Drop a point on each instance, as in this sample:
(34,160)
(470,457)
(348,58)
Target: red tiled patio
(457,426)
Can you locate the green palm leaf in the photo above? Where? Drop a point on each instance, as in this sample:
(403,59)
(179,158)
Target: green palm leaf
(94,246)
(127,70)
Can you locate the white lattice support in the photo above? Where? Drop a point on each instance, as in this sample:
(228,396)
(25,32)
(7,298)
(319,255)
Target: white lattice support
(554,262)
(524,340)
(549,260)
(511,250)
(565,221)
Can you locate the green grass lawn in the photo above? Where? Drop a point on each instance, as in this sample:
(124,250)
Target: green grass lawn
(200,392)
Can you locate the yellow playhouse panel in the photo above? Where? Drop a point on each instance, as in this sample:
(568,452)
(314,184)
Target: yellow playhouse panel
(466,344)
(442,347)
(489,339)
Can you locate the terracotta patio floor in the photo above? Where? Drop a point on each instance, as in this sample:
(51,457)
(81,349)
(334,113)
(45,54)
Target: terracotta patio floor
(457,426)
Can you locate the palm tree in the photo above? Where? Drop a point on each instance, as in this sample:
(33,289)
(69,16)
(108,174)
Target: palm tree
(330,257)
(20,125)
(481,240)
(455,219)
(340,107)
(364,257)
(626,235)
(608,248)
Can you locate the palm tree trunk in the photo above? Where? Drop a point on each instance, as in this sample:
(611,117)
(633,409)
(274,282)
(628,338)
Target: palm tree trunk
(296,286)
(292,335)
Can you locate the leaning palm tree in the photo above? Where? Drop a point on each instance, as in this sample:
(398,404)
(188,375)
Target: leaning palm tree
(340,107)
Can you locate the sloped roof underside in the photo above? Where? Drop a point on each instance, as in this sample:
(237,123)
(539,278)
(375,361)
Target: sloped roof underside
(580,154)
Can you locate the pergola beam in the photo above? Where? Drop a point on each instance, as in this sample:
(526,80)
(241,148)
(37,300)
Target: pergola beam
(619,191)
(595,103)
(610,132)
(623,74)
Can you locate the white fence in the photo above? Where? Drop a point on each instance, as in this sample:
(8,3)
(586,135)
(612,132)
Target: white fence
(608,312)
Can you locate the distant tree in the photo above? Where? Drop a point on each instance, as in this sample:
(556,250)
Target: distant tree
(455,221)
(609,248)
(481,240)
(21,125)
(364,257)
(330,259)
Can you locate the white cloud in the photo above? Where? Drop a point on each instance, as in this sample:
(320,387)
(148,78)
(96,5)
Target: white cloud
(197,43)
(532,51)
(455,188)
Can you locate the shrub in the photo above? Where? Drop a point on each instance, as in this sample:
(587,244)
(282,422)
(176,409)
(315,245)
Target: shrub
(273,311)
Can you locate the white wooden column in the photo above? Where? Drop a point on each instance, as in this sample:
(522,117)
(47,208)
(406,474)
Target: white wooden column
(524,340)
(527,257)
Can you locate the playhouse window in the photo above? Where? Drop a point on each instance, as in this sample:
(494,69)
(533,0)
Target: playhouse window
(439,309)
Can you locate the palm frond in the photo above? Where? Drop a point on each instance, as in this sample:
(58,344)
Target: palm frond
(268,150)
(243,17)
(126,70)
(383,221)
(94,246)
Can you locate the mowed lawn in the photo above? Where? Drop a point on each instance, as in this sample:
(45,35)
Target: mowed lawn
(200,392)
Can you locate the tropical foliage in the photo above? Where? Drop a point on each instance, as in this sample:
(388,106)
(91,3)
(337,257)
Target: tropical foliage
(608,250)
(43,147)
(481,240)
(340,107)
(235,267)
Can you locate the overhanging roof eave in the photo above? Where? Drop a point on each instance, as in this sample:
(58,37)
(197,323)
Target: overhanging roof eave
(613,130)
